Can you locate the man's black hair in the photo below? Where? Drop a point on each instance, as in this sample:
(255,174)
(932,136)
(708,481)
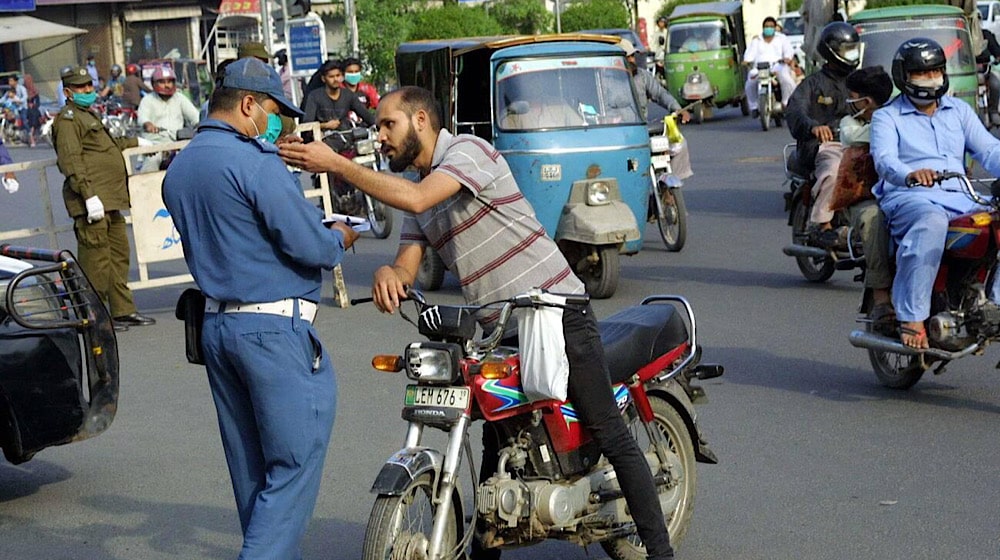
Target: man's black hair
(413,99)
(330,65)
(226,99)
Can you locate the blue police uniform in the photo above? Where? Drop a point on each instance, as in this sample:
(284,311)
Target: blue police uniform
(250,237)
(904,140)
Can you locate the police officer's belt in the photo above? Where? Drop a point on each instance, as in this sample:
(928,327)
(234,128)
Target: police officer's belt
(284,307)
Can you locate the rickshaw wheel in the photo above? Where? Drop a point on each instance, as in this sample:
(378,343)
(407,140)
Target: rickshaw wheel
(430,274)
(699,115)
(745,106)
(600,277)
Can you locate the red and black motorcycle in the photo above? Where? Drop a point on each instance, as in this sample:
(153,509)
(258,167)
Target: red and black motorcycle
(551,481)
(963,320)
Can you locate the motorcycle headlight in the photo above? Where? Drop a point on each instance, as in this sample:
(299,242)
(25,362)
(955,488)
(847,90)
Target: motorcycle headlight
(365,147)
(598,193)
(433,362)
(659,144)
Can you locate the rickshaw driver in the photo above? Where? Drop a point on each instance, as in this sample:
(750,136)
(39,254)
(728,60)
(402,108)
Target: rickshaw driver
(468,204)
(774,48)
(536,104)
(649,89)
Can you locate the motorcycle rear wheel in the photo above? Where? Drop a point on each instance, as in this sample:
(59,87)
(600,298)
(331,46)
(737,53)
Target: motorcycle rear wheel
(895,371)
(671,219)
(678,519)
(400,525)
(813,269)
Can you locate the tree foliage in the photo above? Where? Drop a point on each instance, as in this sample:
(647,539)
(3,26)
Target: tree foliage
(453,20)
(382,25)
(523,17)
(594,14)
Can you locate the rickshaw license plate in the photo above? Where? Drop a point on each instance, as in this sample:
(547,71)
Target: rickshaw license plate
(446,397)
(552,172)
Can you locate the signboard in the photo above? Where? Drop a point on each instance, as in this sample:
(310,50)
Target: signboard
(306,44)
(17,5)
(238,7)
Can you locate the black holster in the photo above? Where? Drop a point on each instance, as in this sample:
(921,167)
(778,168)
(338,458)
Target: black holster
(191,310)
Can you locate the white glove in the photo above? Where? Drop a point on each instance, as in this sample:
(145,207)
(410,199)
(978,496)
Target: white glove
(95,209)
(11,184)
(144,142)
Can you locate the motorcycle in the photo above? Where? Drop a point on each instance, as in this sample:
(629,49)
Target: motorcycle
(361,146)
(666,203)
(768,96)
(963,320)
(551,481)
(120,119)
(816,261)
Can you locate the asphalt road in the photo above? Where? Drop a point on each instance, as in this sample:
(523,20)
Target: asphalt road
(817,461)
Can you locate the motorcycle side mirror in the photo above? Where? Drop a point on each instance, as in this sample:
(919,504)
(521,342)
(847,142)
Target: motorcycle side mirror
(359,133)
(995,189)
(185,133)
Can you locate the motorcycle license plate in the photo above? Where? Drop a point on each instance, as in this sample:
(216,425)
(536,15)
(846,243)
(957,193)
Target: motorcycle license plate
(444,397)
(659,162)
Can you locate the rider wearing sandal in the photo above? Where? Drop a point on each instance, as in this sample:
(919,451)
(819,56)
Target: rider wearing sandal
(917,135)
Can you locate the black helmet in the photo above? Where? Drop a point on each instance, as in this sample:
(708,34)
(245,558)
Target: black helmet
(116,70)
(916,55)
(839,45)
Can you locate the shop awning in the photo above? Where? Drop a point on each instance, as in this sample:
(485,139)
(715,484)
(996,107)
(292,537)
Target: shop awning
(14,29)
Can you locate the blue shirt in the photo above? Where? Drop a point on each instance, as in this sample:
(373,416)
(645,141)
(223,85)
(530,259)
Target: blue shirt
(904,140)
(248,233)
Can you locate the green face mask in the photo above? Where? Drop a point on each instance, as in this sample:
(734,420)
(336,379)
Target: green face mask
(85,100)
(273,127)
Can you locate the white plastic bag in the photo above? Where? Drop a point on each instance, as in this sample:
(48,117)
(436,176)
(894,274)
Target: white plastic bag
(544,365)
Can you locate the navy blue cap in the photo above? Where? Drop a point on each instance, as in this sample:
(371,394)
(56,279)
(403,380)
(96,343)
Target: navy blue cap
(251,74)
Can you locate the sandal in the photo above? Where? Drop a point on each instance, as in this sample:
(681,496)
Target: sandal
(883,319)
(918,338)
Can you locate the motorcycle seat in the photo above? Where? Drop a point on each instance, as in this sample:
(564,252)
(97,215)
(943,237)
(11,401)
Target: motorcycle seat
(637,335)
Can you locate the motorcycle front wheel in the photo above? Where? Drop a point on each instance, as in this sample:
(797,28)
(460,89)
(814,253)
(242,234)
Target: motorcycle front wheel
(400,525)
(814,269)
(380,217)
(671,219)
(765,111)
(895,371)
(676,500)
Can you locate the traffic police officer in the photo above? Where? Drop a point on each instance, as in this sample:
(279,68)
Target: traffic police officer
(257,249)
(96,193)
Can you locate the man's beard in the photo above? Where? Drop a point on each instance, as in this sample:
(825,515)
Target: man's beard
(408,152)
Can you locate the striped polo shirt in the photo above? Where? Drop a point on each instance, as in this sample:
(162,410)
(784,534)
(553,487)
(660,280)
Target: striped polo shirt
(487,233)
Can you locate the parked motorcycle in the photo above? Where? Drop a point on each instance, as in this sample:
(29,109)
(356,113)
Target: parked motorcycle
(120,119)
(768,96)
(666,203)
(816,261)
(361,146)
(551,481)
(963,320)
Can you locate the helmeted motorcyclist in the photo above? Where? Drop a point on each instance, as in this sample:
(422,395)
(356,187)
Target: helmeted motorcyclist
(164,112)
(814,112)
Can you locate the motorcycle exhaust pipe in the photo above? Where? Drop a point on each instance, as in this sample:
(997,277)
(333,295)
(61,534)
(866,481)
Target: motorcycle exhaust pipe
(879,343)
(805,251)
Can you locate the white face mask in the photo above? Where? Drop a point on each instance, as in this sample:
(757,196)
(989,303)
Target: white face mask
(852,55)
(852,104)
(928,82)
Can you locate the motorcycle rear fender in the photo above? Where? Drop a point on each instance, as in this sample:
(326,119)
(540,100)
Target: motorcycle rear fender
(672,392)
(405,466)
(607,224)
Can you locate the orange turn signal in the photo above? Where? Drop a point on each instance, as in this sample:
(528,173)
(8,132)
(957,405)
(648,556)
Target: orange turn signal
(388,363)
(495,370)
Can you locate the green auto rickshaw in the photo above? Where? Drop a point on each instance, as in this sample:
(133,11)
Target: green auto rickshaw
(705,47)
(882,30)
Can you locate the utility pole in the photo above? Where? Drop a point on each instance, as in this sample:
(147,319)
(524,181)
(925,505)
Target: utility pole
(558,17)
(265,25)
(350,12)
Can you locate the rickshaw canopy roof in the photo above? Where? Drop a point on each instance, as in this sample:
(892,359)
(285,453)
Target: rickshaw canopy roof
(462,45)
(726,9)
(905,12)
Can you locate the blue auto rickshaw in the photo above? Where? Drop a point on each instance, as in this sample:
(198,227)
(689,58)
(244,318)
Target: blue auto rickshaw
(563,112)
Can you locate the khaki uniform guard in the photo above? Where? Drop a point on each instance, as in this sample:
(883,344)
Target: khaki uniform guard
(95,192)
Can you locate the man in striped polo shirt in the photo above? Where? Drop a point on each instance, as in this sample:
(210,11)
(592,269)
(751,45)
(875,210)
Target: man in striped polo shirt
(469,208)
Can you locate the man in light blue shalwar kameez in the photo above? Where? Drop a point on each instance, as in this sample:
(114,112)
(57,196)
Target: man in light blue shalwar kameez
(917,135)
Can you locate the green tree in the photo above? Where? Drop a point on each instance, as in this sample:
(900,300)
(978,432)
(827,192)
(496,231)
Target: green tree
(525,17)
(382,24)
(453,20)
(594,14)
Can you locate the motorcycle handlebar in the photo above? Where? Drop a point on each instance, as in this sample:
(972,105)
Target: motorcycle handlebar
(942,176)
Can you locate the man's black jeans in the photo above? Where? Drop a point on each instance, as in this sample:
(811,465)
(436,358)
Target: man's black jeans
(590,392)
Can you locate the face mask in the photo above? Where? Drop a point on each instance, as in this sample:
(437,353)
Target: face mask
(852,55)
(852,102)
(353,78)
(920,102)
(85,99)
(273,127)
(91,63)
(928,82)
(769,32)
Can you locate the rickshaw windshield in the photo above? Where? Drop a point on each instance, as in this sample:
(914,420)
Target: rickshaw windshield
(697,36)
(557,93)
(792,24)
(881,39)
